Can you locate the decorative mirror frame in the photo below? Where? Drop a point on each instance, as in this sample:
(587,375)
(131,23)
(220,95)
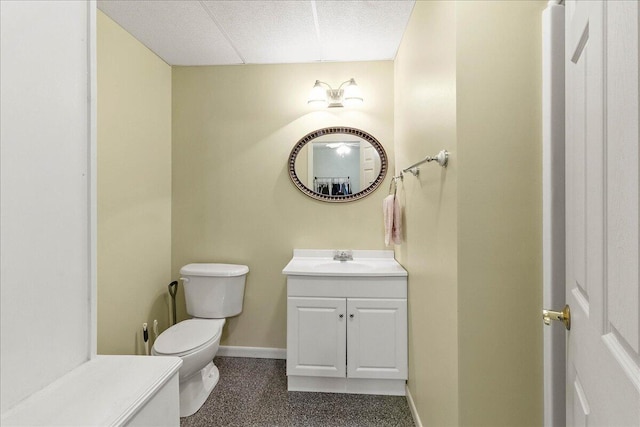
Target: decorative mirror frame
(337,130)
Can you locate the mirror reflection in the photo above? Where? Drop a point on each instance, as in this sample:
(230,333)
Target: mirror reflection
(337,164)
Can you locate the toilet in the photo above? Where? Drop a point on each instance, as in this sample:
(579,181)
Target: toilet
(212,292)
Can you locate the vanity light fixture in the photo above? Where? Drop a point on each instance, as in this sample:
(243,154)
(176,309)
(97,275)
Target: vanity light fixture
(329,97)
(343,150)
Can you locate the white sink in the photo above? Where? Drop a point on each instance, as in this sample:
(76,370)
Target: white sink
(310,262)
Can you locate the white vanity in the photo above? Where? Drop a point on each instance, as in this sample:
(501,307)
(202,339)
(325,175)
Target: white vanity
(346,322)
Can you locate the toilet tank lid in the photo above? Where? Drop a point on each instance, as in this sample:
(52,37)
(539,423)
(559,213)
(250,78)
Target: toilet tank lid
(214,270)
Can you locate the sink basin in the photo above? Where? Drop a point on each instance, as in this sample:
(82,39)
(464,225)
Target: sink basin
(307,262)
(344,266)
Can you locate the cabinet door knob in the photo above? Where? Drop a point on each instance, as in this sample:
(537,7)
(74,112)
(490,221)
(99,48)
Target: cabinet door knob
(341,316)
(351,316)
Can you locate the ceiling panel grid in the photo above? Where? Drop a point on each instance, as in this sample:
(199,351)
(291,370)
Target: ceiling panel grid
(213,32)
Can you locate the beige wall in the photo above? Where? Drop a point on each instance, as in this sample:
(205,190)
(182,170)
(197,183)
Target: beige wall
(233,201)
(425,123)
(134,189)
(499,212)
(468,79)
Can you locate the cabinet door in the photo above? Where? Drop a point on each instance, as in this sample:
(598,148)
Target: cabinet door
(377,338)
(316,337)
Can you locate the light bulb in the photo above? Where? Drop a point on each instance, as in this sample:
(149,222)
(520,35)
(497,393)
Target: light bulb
(342,150)
(352,94)
(318,95)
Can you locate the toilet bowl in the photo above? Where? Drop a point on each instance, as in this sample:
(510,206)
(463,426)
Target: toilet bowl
(212,292)
(196,342)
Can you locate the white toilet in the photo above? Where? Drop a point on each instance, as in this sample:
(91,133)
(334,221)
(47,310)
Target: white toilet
(212,292)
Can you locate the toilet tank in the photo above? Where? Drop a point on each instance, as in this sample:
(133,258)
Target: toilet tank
(214,291)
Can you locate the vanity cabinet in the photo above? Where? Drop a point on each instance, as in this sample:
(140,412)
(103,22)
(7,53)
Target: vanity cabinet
(347,334)
(352,337)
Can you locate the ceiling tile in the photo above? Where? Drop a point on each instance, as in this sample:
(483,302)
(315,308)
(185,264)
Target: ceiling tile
(180,32)
(362,30)
(269,31)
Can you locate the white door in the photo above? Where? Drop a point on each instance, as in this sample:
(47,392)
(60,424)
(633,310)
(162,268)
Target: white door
(367,165)
(377,338)
(602,229)
(316,337)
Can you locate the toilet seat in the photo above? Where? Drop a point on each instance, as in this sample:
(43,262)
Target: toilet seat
(188,336)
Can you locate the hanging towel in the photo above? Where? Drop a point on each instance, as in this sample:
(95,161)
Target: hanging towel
(387,210)
(392,220)
(397,222)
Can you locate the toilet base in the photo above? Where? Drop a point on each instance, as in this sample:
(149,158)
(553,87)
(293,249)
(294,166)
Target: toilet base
(195,389)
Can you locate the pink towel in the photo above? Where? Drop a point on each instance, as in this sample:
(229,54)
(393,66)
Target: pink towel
(392,220)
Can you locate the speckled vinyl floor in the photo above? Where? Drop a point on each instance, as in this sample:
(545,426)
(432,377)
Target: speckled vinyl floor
(253,392)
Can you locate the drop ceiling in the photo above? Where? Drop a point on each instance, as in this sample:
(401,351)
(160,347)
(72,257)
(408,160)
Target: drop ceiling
(264,32)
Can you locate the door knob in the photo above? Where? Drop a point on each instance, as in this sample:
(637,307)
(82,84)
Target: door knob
(563,316)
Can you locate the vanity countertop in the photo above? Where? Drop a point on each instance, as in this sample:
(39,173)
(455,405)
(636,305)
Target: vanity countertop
(365,263)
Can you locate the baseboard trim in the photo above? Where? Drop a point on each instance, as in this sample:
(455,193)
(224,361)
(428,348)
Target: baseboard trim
(252,352)
(412,408)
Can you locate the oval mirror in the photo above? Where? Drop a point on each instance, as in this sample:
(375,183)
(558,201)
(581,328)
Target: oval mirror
(337,164)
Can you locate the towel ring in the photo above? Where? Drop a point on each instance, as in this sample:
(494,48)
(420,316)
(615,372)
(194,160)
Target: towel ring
(394,183)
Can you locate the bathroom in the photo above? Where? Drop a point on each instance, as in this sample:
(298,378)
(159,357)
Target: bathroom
(192,167)
(217,172)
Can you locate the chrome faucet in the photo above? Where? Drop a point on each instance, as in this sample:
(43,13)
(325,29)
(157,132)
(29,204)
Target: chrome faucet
(341,255)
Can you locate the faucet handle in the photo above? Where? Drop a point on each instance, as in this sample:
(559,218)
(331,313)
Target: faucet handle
(343,255)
